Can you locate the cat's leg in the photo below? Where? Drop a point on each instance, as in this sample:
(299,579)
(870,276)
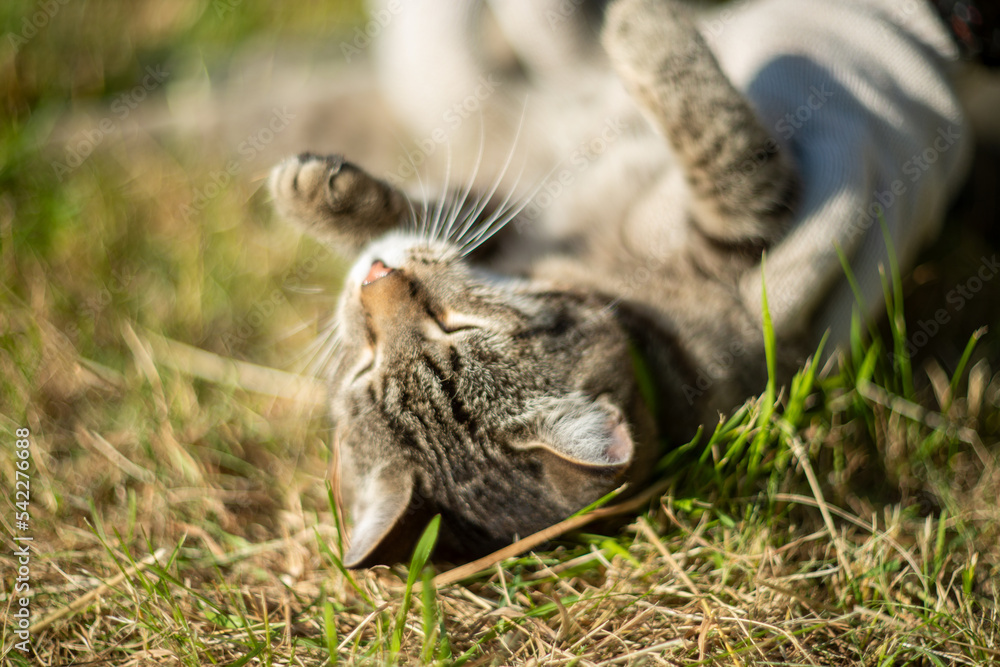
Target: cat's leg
(671,72)
(335,200)
(338,202)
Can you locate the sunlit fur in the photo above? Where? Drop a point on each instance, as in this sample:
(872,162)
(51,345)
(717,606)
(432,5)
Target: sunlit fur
(487,371)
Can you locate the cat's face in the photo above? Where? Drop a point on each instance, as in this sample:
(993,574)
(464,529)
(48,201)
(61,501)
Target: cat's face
(502,404)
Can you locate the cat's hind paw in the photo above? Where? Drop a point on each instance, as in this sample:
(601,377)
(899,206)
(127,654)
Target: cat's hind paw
(645,39)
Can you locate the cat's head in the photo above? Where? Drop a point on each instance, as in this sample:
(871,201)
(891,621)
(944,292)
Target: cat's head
(503,404)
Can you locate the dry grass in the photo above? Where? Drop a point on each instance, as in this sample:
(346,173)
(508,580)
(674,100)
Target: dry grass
(179,505)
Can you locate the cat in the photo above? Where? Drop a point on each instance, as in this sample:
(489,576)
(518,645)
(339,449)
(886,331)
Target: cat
(493,373)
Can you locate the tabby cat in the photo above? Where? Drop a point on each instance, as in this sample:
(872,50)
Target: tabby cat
(492,373)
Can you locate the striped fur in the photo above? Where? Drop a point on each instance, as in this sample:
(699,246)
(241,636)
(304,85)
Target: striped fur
(490,378)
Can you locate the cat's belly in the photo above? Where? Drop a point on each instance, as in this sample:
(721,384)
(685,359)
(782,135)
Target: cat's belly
(630,202)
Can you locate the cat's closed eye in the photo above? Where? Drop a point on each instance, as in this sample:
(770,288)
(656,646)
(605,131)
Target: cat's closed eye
(451,322)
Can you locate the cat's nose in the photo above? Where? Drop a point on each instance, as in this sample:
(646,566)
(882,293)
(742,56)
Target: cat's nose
(378,270)
(387,299)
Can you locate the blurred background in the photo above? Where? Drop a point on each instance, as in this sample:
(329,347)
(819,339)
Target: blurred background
(134,140)
(135,232)
(134,143)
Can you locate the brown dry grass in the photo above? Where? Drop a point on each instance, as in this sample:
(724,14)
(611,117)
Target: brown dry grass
(179,506)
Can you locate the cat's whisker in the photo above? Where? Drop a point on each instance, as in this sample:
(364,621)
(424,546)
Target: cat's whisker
(328,351)
(470,217)
(423,218)
(501,214)
(462,214)
(329,325)
(442,201)
(413,223)
(456,212)
(455,204)
(310,359)
(297,363)
(293,330)
(317,342)
(501,217)
(468,247)
(482,201)
(439,206)
(418,223)
(488,196)
(488,231)
(324,370)
(306,289)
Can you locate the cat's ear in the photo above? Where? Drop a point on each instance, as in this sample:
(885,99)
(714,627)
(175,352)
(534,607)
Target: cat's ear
(583,431)
(380,517)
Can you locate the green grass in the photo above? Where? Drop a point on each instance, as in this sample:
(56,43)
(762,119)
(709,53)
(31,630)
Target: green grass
(850,517)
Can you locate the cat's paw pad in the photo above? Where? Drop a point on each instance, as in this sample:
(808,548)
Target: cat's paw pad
(334,198)
(308,184)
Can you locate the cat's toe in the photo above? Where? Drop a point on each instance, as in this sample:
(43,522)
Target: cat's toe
(280,181)
(334,198)
(307,178)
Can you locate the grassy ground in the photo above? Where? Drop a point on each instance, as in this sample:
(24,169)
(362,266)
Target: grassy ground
(180,517)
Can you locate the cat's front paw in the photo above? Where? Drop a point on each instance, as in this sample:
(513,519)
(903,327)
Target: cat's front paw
(309,186)
(332,197)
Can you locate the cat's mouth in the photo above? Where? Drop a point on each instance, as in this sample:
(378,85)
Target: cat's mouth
(377,271)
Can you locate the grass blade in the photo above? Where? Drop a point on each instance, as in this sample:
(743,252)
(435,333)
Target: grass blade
(421,554)
(770,354)
(330,630)
(897,322)
(962,363)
